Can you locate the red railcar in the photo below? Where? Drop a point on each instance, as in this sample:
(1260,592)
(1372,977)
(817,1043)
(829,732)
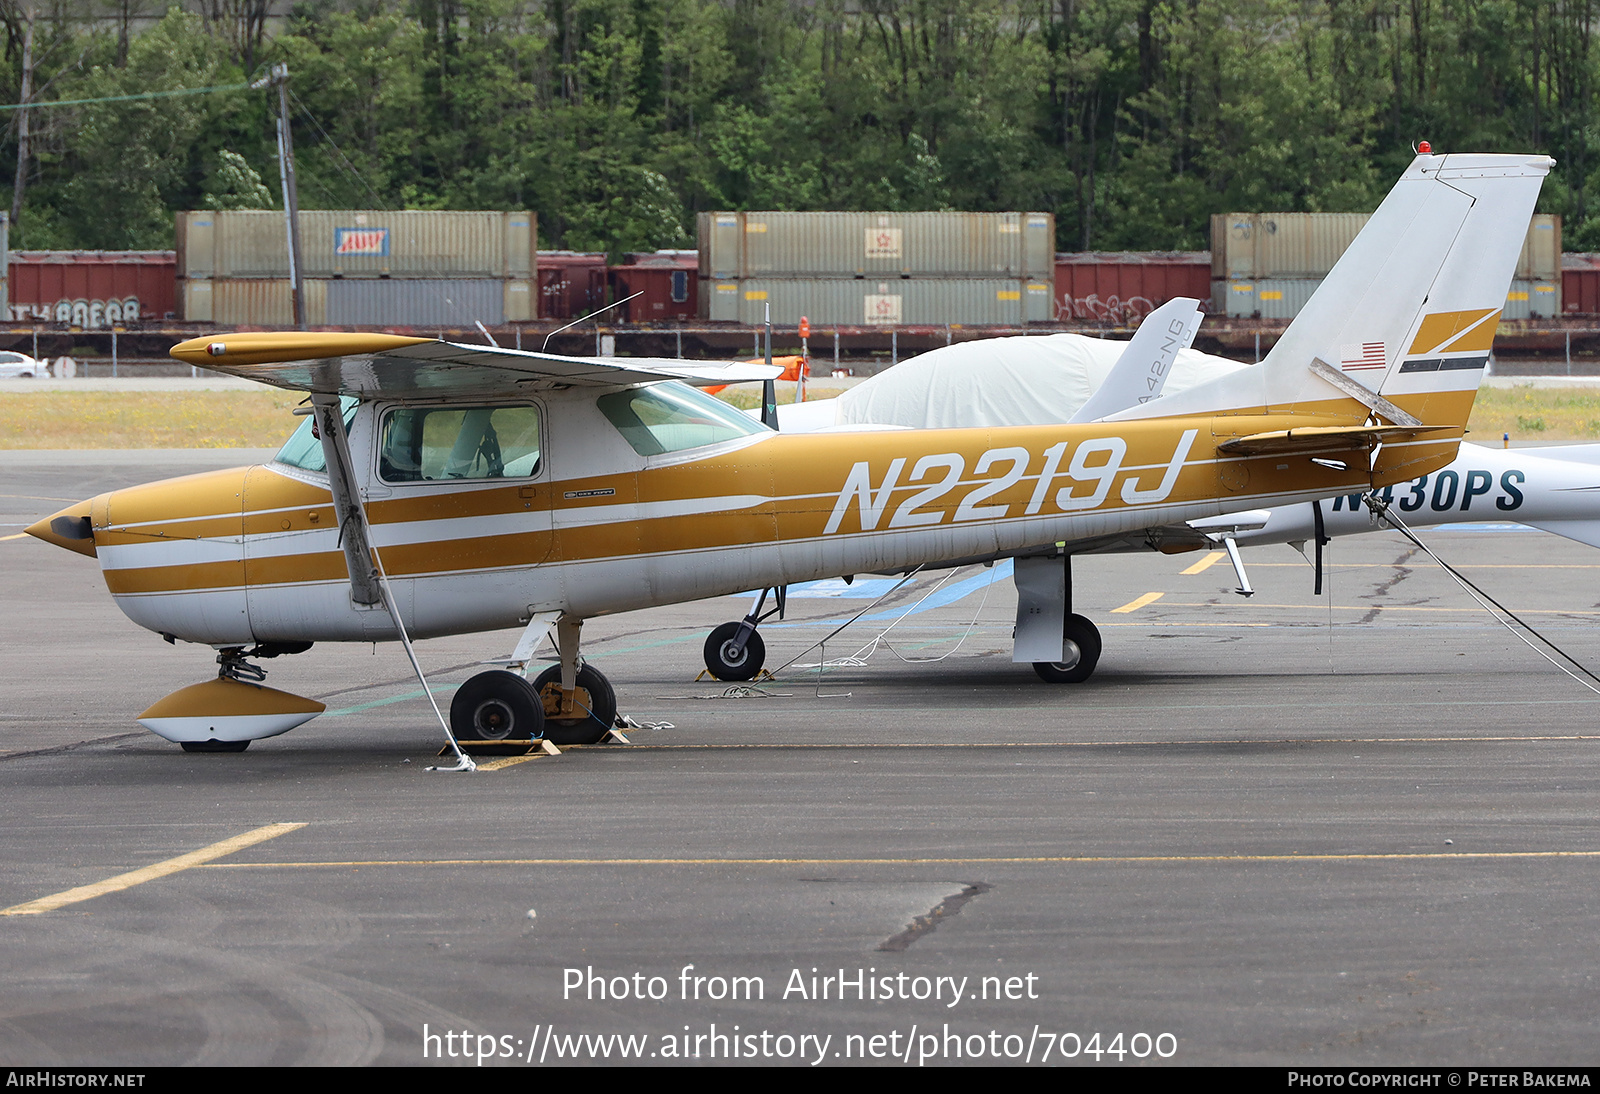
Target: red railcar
(1580,284)
(571,283)
(669,281)
(92,288)
(1124,286)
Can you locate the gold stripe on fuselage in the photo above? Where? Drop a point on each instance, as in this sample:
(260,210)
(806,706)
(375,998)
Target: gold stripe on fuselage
(787,488)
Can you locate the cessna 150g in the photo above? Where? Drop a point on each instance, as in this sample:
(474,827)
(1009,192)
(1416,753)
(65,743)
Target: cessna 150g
(441,488)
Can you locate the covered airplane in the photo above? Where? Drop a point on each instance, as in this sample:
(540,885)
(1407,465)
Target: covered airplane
(439,488)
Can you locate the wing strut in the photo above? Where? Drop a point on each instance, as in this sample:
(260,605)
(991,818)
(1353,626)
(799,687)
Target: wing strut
(329,416)
(368,583)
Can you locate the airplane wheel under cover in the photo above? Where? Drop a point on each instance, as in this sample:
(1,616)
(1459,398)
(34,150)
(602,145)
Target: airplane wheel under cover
(725,663)
(1085,637)
(215,746)
(496,706)
(601,704)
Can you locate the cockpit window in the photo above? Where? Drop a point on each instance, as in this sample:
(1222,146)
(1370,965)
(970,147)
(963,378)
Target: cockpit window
(433,444)
(304,447)
(671,417)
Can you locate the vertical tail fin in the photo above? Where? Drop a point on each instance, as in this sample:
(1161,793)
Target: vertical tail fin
(1141,372)
(1412,307)
(1409,311)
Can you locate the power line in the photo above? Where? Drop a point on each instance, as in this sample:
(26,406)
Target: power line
(125,98)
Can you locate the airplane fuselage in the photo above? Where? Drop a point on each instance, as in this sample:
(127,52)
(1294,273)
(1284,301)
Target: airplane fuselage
(252,554)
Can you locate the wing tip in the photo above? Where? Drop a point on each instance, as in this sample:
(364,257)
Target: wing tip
(219,351)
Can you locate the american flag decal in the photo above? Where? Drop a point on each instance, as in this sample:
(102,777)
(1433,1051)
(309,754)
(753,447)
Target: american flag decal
(1366,355)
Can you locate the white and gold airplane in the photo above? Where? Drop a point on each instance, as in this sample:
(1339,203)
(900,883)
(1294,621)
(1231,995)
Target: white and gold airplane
(439,488)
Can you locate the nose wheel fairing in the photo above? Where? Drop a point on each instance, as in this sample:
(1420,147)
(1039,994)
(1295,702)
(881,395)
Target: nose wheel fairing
(227,710)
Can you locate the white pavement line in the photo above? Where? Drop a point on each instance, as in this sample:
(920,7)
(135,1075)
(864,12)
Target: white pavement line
(151,872)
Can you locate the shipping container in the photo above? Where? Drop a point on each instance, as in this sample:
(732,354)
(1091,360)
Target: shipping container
(1247,246)
(1282,298)
(1265,298)
(1123,287)
(443,302)
(897,302)
(1580,284)
(357,302)
(1250,246)
(358,243)
(92,289)
(571,284)
(668,280)
(1532,300)
(250,302)
(1540,259)
(875,245)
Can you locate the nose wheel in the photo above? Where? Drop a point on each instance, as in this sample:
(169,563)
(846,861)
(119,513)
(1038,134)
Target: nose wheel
(214,746)
(734,651)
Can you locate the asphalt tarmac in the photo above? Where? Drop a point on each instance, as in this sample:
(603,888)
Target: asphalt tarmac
(1351,829)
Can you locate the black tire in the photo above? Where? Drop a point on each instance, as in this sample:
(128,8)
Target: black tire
(496,706)
(215,746)
(722,662)
(593,726)
(1086,637)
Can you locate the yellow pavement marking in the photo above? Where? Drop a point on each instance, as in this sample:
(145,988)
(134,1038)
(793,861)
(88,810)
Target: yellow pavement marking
(150,873)
(995,860)
(1360,607)
(1135,605)
(1419,565)
(880,746)
(1206,563)
(19,535)
(508,761)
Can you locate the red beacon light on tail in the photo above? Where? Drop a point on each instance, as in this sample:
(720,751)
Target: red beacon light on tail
(1424,148)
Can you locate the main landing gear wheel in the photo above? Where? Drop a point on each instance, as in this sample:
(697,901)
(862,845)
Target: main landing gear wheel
(727,662)
(1083,637)
(496,706)
(215,746)
(595,704)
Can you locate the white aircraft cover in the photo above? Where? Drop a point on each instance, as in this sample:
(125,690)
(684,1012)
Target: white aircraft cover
(1002,382)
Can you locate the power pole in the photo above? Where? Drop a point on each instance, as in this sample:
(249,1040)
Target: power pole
(279,77)
(21,183)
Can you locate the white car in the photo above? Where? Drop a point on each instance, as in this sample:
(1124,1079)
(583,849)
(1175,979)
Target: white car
(14,365)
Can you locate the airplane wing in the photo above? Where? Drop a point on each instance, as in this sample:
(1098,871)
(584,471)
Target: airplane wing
(369,365)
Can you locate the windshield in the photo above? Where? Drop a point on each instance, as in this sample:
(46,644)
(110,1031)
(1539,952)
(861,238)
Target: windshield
(671,417)
(304,448)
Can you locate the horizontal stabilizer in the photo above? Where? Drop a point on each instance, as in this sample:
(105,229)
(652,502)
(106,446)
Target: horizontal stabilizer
(1233,522)
(1581,531)
(1309,440)
(1572,453)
